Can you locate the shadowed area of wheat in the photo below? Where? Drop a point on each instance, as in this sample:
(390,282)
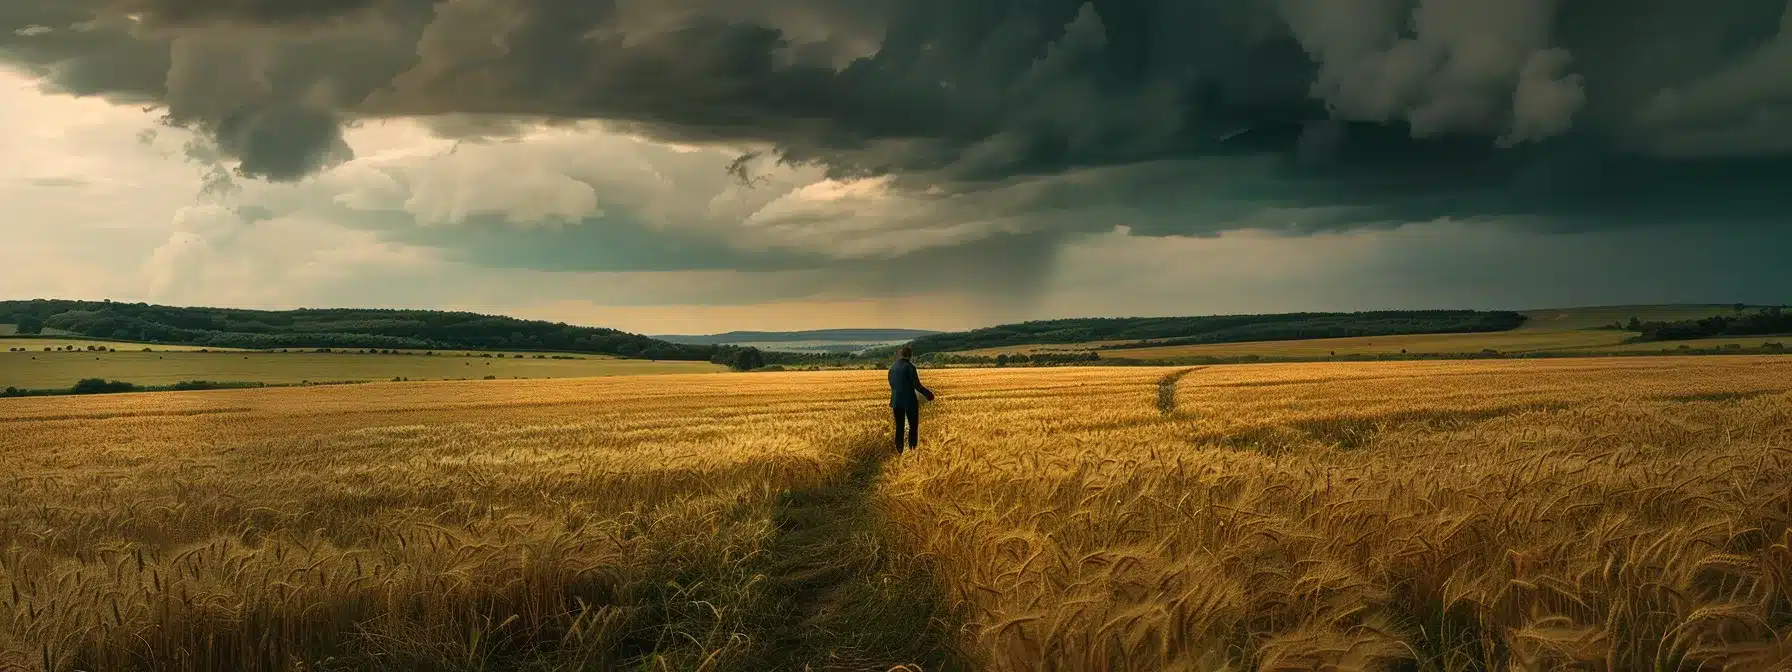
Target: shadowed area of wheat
(1603,515)
(1166,389)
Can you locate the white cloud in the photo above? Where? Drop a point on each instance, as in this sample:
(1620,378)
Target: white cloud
(86,163)
(452,191)
(98,201)
(88,190)
(591,175)
(215,256)
(559,176)
(200,233)
(547,173)
(868,218)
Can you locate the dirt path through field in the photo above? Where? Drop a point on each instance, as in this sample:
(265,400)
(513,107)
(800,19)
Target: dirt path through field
(1166,390)
(843,600)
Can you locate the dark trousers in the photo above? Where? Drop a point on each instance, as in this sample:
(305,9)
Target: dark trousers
(911,414)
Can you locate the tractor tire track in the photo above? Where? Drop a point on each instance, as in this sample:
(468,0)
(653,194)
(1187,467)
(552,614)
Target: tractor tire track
(840,599)
(1166,390)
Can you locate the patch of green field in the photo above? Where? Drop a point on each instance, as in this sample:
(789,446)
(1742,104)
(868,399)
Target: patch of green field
(1565,329)
(1720,342)
(49,370)
(1043,348)
(11,329)
(1569,319)
(1504,341)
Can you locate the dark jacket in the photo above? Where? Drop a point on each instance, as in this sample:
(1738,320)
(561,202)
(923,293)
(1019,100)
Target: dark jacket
(904,383)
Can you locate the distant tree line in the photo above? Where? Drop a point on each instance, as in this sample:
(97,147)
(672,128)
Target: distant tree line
(342,328)
(28,324)
(1156,331)
(1019,359)
(786,359)
(843,335)
(1767,321)
(738,358)
(103,386)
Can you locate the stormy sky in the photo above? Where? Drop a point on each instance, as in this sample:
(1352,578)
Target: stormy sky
(704,165)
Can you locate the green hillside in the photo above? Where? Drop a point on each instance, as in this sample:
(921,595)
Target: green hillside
(333,328)
(1595,317)
(38,370)
(1566,331)
(810,336)
(1174,331)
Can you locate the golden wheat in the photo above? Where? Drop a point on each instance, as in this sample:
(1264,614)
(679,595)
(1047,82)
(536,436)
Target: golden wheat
(1594,514)
(408,526)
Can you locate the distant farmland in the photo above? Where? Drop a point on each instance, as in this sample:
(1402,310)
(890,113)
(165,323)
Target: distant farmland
(13,329)
(54,343)
(817,341)
(1505,341)
(1594,317)
(845,347)
(1569,342)
(1569,331)
(36,369)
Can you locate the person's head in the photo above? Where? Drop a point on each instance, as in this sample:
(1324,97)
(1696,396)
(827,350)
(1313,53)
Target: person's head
(905,352)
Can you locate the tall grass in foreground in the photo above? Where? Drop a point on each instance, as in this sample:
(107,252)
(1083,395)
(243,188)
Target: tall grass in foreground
(1604,515)
(569,525)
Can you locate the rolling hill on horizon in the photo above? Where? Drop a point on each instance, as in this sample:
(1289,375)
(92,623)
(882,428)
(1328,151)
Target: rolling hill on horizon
(1126,337)
(1221,328)
(1582,330)
(848,343)
(333,328)
(834,335)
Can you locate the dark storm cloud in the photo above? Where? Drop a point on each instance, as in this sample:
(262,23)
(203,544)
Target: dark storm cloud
(1007,266)
(595,244)
(1586,113)
(250,11)
(273,97)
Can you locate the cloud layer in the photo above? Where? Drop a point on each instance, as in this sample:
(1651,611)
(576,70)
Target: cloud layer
(895,146)
(950,90)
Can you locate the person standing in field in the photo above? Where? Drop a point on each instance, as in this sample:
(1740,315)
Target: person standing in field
(905,383)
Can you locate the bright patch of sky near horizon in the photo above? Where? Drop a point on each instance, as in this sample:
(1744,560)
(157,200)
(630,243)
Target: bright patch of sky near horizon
(584,224)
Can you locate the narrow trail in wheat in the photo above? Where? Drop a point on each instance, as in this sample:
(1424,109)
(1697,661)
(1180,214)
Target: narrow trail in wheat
(1166,390)
(843,601)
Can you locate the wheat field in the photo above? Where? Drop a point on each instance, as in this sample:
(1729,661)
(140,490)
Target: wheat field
(1584,514)
(1490,515)
(476,525)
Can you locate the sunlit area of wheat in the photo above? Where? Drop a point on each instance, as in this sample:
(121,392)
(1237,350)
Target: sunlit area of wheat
(1589,514)
(414,525)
